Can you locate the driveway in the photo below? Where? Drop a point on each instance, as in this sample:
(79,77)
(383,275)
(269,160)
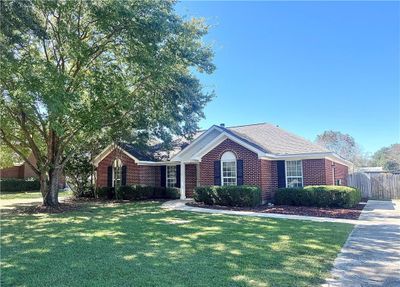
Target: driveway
(371,255)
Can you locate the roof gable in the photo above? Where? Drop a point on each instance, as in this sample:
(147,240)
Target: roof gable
(212,137)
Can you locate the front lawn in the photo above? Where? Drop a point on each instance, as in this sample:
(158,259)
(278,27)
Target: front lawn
(139,244)
(4,195)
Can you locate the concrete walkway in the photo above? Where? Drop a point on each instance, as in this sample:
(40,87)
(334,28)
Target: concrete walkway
(371,255)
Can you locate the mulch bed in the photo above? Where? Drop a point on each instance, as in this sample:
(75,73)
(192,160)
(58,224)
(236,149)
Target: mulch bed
(35,209)
(346,213)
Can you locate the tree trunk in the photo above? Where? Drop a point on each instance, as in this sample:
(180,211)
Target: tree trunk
(51,196)
(43,184)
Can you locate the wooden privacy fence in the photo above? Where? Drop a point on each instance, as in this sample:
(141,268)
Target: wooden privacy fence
(376,185)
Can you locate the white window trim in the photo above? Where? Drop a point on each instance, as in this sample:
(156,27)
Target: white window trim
(113,171)
(168,177)
(222,168)
(302,174)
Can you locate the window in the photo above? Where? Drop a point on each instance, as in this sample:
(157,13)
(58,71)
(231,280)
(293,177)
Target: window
(294,173)
(228,168)
(117,173)
(171,176)
(338,181)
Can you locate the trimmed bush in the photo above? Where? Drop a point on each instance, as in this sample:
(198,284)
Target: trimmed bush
(105,192)
(141,192)
(172,193)
(319,195)
(16,185)
(241,196)
(159,192)
(135,192)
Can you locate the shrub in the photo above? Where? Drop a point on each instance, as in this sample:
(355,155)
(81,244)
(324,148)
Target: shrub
(242,195)
(159,192)
(105,192)
(319,195)
(140,192)
(15,185)
(172,193)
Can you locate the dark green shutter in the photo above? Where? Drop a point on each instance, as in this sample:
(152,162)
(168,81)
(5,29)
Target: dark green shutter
(109,176)
(123,175)
(163,176)
(239,170)
(281,173)
(178,176)
(217,172)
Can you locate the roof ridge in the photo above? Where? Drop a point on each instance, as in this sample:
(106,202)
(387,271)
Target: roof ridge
(246,125)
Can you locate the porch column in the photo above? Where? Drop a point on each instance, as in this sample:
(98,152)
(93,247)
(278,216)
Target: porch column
(183,181)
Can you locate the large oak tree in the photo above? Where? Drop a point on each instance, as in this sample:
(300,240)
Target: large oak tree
(73,70)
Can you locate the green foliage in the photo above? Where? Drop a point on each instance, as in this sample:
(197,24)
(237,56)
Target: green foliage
(142,192)
(105,192)
(75,70)
(17,185)
(8,157)
(320,195)
(228,195)
(172,193)
(388,158)
(135,192)
(79,171)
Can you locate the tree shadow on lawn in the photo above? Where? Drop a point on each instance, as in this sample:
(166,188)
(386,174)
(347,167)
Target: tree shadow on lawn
(140,244)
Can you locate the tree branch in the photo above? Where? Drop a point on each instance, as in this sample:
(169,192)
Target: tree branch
(32,145)
(9,144)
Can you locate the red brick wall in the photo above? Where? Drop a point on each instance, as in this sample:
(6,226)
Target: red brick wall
(28,171)
(251,163)
(341,172)
(191,179)
(320,172)
(157,176)
(133,170)
(147,175)
(328,172)
(12,172)
(269,178)
(314,172)
(135,174)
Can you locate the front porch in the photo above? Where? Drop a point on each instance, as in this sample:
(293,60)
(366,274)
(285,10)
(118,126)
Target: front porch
(189,179)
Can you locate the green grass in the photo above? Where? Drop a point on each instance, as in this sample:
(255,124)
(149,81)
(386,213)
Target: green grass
(4,195)
(139,244)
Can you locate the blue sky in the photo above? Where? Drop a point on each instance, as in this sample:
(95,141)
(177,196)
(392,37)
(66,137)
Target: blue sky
(305,66)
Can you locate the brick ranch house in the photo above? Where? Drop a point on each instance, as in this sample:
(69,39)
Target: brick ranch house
(259,154)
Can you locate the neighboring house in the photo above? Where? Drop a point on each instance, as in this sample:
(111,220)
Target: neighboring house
(19,171)
(24,171)
(260,154)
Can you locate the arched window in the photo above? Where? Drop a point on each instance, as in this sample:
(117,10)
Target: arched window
(228,169)
(117,173)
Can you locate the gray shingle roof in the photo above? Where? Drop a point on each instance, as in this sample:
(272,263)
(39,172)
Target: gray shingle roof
(276,140)
(265,137)
(136,152)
